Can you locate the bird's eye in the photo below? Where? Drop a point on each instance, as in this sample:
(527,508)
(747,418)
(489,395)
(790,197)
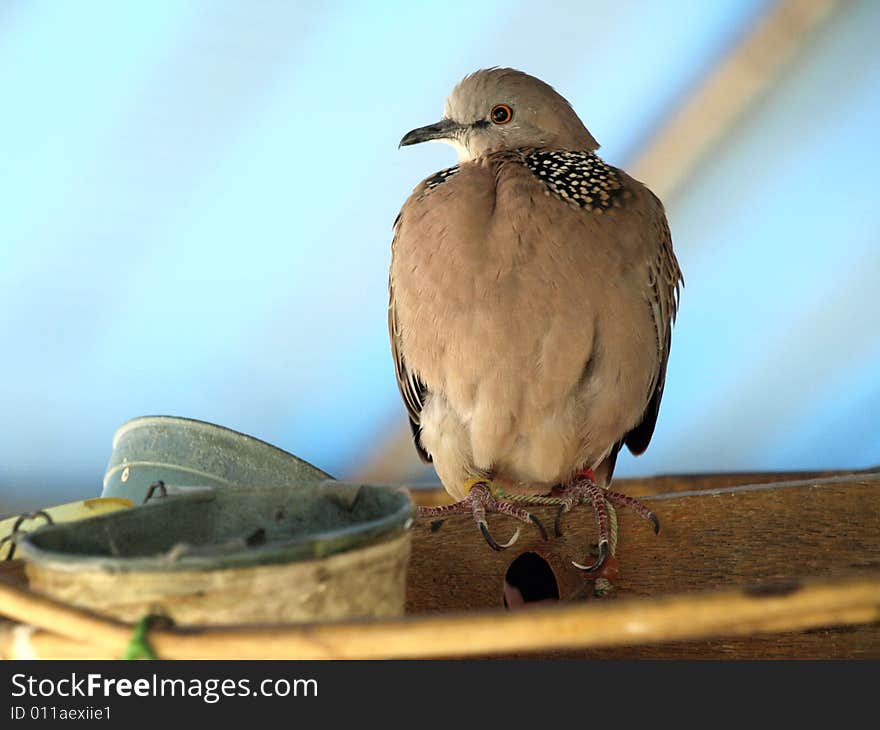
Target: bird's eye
(501,114)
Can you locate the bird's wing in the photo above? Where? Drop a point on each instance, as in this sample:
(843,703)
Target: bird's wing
(412,389)
(662,295)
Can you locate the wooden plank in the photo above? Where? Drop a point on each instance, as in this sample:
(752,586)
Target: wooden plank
(722,536)
(734,536)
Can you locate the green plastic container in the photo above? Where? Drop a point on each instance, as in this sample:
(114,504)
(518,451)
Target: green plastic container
(186,452)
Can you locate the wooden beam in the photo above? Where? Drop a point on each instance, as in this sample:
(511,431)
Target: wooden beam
(728,92)
(717,537)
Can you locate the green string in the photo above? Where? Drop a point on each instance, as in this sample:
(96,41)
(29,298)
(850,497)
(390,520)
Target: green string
(500,493)
(603,586)
(139,645)
(612,519)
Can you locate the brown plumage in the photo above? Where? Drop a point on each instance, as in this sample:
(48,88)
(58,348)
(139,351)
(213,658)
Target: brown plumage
(532,294)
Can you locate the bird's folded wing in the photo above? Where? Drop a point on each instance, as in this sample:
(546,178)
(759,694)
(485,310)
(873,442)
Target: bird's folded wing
(662,293)
(412,389)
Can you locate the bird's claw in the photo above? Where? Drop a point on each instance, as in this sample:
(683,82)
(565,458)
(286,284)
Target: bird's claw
(557,523)
(600,561)
(540,525)
(586,491)
(622,500)
(484,528)
(480,500)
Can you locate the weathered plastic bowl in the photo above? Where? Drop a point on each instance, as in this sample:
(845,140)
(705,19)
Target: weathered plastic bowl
(187,452)
(310,552)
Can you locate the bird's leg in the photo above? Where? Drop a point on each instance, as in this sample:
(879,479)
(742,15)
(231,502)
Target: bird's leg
(622,500)
(584,490)
(482,499)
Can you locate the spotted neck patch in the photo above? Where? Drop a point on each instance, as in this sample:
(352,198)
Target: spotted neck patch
(438,178)
(581,178)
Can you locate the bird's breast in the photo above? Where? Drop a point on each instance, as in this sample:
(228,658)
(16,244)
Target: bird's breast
(488,286)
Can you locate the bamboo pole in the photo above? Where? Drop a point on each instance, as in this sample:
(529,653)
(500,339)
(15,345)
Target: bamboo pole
(67,631)
(728,92)
(27,607)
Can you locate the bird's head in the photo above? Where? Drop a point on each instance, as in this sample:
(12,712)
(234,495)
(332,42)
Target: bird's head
(500,109)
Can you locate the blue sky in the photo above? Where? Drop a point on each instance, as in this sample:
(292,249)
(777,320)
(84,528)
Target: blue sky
(198,199)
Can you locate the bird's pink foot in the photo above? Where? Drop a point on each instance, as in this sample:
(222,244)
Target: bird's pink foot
(584,490)
(480,501)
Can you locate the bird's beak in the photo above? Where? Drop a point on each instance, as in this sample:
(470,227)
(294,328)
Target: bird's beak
(444,129)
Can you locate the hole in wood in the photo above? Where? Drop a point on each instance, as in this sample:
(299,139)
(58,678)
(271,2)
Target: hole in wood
(529,580)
